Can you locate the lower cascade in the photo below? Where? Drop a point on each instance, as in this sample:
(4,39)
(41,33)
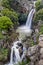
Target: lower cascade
(16,55)
(17,50)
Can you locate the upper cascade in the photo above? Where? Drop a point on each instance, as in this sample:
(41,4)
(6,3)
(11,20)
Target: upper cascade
(29,19)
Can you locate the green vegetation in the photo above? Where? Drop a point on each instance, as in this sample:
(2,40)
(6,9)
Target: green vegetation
(22,18)
(41,29)
(38,16)
(39,5)
(1,35)
(12,4)
(5,23)
(3,54)
(25,62)
(6,3)
(11,14)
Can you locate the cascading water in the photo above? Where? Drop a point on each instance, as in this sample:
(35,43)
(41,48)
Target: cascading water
(26,29)
(29,19)
(16,58)
(28,24)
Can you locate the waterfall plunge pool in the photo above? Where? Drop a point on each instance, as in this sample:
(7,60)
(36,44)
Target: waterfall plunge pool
(24,32)
(26,29)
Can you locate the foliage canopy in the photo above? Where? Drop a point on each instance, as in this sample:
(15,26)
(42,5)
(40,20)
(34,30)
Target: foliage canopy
(5,23)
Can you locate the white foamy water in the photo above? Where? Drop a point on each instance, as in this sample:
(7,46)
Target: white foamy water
(16,57)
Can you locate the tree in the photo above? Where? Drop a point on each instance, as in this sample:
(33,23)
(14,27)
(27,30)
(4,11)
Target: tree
(5,23)
(11,14)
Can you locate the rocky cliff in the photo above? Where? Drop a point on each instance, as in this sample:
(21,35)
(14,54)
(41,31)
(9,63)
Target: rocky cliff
(26,3)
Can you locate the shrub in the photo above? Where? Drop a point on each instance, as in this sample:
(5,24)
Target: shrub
(12,4)
(5,3)
(38,16)
(5,23)
(41,29)
(3,54)
(39,5)
(11,14)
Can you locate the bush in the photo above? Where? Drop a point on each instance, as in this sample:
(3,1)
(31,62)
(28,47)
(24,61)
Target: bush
(12,4)
(41,29)
(5,23)
(5,3)
(11,14)
(38,16)
(3,54)
(39,5)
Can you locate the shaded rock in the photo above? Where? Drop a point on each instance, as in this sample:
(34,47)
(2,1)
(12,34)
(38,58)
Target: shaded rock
(41,62)
(41,53)
(41,40)
(34,58)
(36,31)
(1,43)
(31,63)
(4,33)
(36,63)
(33,50)
(1,63)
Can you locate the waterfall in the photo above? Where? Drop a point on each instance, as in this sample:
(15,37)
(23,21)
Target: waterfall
(14,48)
(15,58)
(29,19)
(11,57)
(26,30)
